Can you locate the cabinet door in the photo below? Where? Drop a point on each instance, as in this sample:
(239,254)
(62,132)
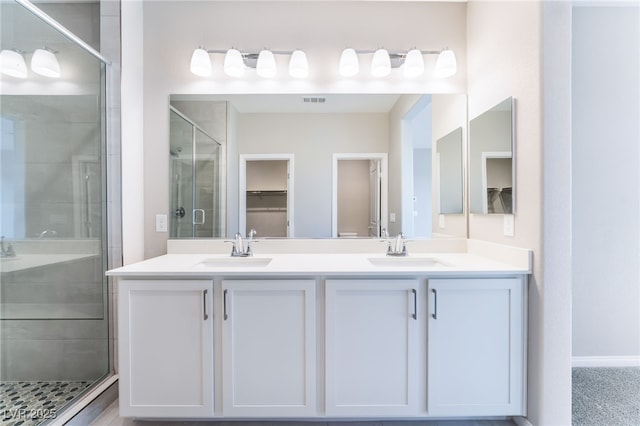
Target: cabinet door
(476,347)
(165,348)
(269,352)
(372,332)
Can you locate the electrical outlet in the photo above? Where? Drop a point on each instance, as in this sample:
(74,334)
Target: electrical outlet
(161,223)
(508,224)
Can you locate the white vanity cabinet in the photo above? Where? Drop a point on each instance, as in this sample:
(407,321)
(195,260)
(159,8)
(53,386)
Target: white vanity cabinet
(165,348)
(372,347)
(476,346)
(269,348)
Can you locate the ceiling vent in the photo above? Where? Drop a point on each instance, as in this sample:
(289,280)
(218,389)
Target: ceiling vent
(314,100)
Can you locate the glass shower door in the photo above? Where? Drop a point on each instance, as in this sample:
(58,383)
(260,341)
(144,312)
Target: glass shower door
(54,309)
(181,172)
(195,176)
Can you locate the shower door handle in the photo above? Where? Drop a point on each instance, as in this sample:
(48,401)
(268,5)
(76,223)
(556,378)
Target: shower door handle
(195,217)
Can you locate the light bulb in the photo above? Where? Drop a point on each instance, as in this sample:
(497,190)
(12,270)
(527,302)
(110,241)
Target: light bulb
(201,63)
(233,63)
(298,66)
(12,63)
(266,66)
(349,65)
(381,63)
(446,65)
(413,64)
(44,62)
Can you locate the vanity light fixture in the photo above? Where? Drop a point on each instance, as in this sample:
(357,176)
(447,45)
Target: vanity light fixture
(349,64)
(200,62)
(12,63)
(44,62)
(236,62)
(233,63)
(412,62)
(381,63)
(266,66)
(298,65)
(446,65)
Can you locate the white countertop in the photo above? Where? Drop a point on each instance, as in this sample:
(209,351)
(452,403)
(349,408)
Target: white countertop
(320,264)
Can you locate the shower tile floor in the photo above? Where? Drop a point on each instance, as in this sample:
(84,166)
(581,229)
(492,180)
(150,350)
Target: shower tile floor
(31,403)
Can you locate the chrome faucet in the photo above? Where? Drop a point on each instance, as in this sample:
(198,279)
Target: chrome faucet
(238,247)
(48,233)
(9,251)
(399,246)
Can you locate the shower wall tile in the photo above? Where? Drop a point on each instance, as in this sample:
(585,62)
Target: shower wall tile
(31,360)
(84,359)
(54,360)
(53,330)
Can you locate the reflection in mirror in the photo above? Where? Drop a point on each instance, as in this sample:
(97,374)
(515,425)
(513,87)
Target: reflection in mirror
(194,170)
(313,129)
(449,172)
(491,164)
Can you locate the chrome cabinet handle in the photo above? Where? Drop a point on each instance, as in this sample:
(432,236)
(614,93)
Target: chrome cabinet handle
(194,216)
(435,304)
(415,303)
(224,302)
(204,304)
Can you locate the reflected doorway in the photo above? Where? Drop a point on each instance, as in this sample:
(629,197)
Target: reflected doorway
(359,195)
(266,195)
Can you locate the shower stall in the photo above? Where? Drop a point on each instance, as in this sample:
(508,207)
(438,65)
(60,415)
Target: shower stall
(195,180)
(54,297)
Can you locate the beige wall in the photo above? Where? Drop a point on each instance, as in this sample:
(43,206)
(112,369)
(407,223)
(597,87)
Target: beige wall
(312,139)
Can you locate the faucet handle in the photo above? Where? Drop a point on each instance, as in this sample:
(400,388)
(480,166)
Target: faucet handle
(234,249)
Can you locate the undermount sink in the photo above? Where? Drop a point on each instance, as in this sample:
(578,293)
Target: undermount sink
(235,262)
(408,261)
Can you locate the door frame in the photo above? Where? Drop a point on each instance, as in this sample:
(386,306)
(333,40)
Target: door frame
(384,190)
(242,188)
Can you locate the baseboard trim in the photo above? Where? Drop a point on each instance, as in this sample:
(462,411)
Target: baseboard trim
(522,421)
(605,361)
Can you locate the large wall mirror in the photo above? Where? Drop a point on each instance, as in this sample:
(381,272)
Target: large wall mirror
(491,162)
(312,166)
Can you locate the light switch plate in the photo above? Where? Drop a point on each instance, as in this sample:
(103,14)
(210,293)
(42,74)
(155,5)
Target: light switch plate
(441,221)
(508,223)
(161,223)
(392,217)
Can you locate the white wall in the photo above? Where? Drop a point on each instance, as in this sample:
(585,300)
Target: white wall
(312,139)
(448,113)
(398,163)
(605,196)
(172,29)
(504,56)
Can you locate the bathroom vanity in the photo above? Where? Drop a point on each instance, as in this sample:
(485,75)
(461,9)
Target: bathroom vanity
(338,330)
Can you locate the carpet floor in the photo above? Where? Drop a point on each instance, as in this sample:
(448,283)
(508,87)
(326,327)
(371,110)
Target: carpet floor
(606,396)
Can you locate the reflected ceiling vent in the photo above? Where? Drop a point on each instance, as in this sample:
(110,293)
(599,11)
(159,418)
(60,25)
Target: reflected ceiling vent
(314,100)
